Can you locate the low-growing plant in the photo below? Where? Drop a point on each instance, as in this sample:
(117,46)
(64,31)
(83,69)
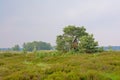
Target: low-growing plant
(53,65)
(24,75)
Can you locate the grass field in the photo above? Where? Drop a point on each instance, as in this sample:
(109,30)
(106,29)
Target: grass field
(52,65)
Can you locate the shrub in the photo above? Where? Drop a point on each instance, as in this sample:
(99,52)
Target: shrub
(25,75)
(56,76)
(42,54)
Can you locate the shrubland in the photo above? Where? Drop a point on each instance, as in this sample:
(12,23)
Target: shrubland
(54,65)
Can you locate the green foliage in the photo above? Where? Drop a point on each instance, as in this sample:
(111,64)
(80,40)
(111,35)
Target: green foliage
(60,43)
(56,66)
(24,51)
(42,54)
(25,75)
(16,48)
(100,49)
(74,31)
(110,48)
(7,54)
(34,50)
(77,39)
(64,42)
(87,44)
(37,45)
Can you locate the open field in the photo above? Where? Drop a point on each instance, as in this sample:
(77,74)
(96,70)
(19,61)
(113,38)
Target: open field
(55,66)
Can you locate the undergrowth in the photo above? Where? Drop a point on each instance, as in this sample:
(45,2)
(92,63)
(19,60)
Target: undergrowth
(53,65)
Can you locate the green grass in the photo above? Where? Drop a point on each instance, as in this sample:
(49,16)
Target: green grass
(52,65)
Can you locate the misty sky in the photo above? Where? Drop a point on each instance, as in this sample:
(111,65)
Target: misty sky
(42,20)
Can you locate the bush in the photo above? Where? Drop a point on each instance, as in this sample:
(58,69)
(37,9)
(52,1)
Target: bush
(25,75)
(42,54)
(56,76)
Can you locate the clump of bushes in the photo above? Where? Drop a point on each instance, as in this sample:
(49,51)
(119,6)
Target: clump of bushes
(7,54)
(24,75)
(42,54)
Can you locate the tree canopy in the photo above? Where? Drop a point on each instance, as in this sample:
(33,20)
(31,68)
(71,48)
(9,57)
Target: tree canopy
(16,48)
(36,45)
(88,44)
(77,39)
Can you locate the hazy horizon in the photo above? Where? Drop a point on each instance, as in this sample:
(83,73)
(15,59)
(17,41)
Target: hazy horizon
(42,20)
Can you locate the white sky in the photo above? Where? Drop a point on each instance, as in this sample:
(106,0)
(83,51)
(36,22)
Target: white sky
(42,20)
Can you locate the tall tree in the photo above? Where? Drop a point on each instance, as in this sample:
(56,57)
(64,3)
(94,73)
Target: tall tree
(75,38)
(65,41)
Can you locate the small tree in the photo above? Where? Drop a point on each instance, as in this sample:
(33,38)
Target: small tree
(16,48)
(34,50)
(88,44)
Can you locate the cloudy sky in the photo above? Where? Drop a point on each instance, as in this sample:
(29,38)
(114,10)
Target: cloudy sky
(42,20)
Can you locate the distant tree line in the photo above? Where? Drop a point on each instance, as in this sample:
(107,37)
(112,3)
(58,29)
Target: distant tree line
(35,45)
(16,48)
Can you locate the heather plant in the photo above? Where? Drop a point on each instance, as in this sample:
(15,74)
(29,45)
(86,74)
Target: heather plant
(53,65)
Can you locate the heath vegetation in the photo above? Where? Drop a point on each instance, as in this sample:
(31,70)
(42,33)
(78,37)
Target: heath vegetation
(77,56)
(53,65)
